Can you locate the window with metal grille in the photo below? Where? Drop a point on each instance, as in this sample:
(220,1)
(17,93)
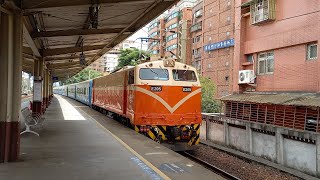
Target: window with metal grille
(266,62)
(312,51)
(262,10)
(196,39)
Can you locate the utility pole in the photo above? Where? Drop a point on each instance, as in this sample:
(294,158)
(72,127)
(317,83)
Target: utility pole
(183,38)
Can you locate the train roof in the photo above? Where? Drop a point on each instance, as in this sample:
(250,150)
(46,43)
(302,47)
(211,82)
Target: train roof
(158,62)
(122,69)
(166,62)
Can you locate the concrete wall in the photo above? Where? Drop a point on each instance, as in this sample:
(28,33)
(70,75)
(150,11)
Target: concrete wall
(203,127)
(264,145)
(215,132)
(300,155)
(293,149)
(237,138)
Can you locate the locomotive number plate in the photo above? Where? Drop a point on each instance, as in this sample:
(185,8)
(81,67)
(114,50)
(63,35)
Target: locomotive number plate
(156,88)
(186,89)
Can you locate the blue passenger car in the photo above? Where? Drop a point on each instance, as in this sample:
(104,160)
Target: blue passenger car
(84,91)
(71,91)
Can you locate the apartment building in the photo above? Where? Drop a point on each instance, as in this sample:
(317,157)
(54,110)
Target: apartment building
(169,34)
(276,68)
(156,31)
(109,61)
(217,57)
(97,65)
(197,35)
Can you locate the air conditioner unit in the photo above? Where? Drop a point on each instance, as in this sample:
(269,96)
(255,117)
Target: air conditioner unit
(246,77)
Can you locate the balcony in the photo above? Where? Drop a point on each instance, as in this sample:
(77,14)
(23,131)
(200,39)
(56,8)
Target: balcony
(196,56)
(196,27)
(198,14)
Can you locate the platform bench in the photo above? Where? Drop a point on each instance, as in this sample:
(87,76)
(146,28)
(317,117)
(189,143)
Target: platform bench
(31,120)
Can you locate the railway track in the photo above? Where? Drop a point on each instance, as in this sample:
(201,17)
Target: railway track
(210,166)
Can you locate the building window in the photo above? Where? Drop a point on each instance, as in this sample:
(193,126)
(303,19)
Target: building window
(196,27)
(250,58)
(173,36)
(155,52)
(198,13)
(266,62)
(196,39)
(197,64)
(262,10)
(169,48)
(226,78)
(153,25)
(312,51)
(172,26)
(196,53)
(209,38)
(173,15)
(154,43)
(209,66)
(153,34)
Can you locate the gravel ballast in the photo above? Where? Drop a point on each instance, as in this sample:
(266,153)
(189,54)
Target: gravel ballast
(242,168)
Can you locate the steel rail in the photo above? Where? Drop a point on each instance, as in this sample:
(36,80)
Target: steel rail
(210,166)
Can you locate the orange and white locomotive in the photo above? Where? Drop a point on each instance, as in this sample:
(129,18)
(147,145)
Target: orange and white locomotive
(161,99)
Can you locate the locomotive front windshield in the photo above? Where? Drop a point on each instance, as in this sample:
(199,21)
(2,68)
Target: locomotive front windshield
(184,75)
(154,74)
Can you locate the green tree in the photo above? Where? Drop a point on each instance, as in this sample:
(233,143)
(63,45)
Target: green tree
(131,57)
(208,103)
(83,75)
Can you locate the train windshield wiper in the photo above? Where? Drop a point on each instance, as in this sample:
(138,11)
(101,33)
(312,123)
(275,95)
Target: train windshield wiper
(186,70)
(165,72)
(152,71)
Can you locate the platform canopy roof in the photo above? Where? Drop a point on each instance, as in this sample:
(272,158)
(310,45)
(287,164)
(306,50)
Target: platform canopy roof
(60,30)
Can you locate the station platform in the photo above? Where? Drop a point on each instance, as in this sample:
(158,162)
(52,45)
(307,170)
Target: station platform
(77,142)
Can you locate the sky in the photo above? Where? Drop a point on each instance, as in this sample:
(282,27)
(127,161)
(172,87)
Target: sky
(142,33)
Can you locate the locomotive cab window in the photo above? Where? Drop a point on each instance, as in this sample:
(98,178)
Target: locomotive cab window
(131,77)
(184,75)
(154,74)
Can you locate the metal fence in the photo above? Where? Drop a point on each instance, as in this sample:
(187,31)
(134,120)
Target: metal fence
(295,117)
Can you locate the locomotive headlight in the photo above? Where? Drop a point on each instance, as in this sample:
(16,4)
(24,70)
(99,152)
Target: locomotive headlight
(156,130)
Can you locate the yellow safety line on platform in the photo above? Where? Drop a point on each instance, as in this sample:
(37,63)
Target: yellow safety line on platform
(131,150)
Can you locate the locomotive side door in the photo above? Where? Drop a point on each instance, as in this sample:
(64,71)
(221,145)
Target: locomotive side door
(125,93)
(129,98)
